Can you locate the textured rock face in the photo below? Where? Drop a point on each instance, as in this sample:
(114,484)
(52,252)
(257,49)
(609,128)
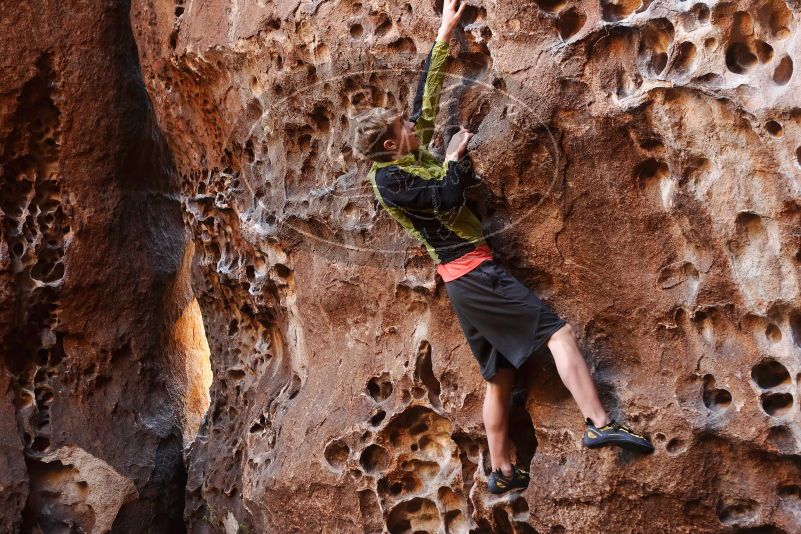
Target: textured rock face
(97,315)
(642,169)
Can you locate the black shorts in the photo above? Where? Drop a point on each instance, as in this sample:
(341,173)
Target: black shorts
(503,321)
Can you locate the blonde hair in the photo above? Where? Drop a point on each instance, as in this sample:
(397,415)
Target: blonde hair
(373,127)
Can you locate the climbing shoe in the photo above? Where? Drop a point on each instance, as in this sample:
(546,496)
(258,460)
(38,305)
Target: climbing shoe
(499,483)
(613,433)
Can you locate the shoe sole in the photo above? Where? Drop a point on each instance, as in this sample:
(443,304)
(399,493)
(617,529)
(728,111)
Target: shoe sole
(627,445)
(506,491)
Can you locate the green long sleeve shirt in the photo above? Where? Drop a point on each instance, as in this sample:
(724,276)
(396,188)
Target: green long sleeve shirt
(425,195)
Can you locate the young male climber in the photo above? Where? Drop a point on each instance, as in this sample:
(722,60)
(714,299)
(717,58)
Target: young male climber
(503,321)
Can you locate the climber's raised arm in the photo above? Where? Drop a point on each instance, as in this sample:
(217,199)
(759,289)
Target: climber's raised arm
(426,100)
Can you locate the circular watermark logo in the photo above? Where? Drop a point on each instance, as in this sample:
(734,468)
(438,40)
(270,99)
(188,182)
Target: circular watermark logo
(310,188)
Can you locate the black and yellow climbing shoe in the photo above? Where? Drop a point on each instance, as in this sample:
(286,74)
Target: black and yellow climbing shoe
(499,483)
(613,433)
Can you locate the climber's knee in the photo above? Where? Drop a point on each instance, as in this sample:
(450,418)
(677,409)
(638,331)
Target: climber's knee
(564,334)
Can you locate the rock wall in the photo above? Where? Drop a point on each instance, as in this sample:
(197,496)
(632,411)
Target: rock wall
(98,323)
(641,169)
(641,165)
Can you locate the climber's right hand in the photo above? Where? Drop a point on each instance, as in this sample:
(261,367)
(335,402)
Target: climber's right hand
(457,147)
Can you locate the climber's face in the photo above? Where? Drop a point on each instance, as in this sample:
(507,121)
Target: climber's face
(404,138)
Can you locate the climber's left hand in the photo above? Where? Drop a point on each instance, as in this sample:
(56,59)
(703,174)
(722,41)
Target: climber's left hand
(450,18)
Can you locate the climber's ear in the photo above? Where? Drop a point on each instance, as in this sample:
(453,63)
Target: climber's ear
(391,144)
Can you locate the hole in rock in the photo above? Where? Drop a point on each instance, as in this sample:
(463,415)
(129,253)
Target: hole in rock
(614,10)
(380,387)
(403,45)
(42,356)
(551,6)
(650,170)
(356,31)
(776,404)
(795,321)
(520,506)
(739,58)
(295,387)
(714,398)
(655,40)
(472,13)
(424,372)
(774,128)
(282,270)
(783,71)
(236,374)
(258,426)
(414,516)
(570,23)
(448,498)
(775,16)
(455,521)
(750,227)
(40,444)
(502,523)
(701,12)
(769,373)
(676,446)
(376,419)
(737,512)
(789,491)
(773,333)
(336,454)
(685,57)
(374,458)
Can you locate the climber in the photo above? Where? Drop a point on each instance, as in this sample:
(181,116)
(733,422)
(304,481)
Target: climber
(503,321)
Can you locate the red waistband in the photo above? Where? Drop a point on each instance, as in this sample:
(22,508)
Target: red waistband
(465,263)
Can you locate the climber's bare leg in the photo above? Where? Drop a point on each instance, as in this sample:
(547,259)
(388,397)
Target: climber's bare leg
(496,418)
(576,376)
